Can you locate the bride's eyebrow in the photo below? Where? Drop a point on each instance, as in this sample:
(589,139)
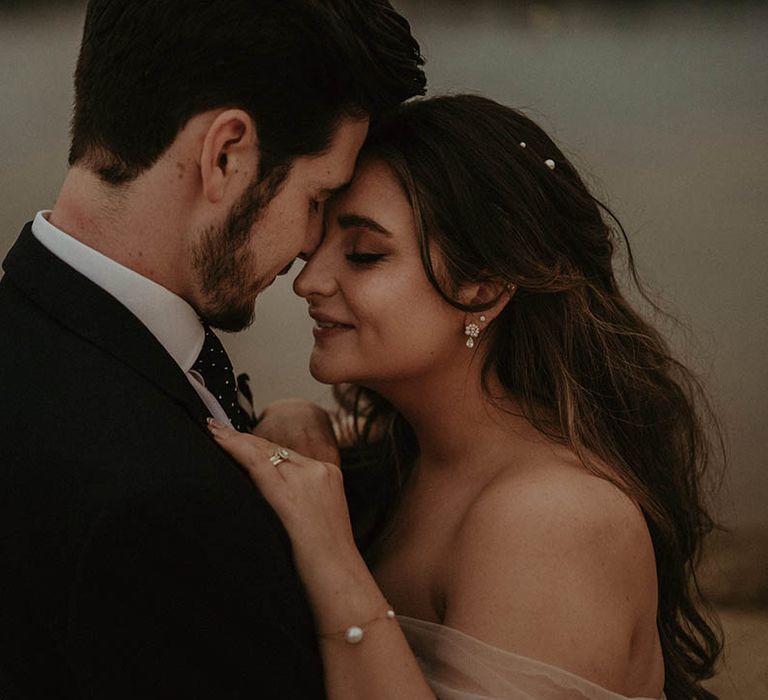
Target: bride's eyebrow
(347,221)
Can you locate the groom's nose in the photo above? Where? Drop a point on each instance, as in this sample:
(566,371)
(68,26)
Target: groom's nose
(314,235)
(287,268)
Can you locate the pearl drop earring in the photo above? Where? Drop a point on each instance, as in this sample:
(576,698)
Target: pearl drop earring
(472,331)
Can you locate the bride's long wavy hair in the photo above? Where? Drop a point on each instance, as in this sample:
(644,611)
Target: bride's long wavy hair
(495,199)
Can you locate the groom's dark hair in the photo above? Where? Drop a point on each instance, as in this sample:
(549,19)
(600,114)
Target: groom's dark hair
(296,66)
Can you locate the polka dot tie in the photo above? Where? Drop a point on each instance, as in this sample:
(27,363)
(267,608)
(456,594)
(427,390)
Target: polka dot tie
(215,368)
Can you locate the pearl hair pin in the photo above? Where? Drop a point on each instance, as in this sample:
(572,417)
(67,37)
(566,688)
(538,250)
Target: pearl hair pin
(548,162)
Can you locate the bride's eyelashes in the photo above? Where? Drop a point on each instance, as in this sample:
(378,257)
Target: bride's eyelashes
(364,258)
(359,249)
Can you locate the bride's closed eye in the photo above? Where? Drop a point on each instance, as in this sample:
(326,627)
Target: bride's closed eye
(364,258)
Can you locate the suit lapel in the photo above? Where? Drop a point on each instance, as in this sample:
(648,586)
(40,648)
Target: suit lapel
(95,315)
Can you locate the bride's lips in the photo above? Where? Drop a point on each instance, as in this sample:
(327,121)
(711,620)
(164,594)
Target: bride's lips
(327,326)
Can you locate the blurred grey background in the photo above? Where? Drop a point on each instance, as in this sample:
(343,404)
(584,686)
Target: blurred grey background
(662,105)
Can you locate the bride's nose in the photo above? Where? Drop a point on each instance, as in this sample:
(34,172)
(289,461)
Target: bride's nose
(318,275)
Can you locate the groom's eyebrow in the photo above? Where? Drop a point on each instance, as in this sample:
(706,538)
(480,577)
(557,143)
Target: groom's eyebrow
(357,221)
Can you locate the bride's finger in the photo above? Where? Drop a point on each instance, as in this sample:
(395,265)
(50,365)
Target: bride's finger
(250,451)
(242,445)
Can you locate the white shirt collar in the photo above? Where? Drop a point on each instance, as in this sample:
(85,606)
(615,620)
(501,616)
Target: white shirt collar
(168,317)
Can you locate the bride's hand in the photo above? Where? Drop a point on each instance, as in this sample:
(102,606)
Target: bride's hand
(307,495)
(299,425)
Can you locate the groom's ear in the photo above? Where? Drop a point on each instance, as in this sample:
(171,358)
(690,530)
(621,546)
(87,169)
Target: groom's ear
(229,157)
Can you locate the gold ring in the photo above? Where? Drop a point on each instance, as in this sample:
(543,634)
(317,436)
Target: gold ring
(280,454)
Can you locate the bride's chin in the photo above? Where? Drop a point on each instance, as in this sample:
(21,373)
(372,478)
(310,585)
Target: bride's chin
(326,375)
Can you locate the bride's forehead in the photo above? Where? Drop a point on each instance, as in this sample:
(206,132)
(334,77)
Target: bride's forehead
(374,194)
(373,174)
(375,186)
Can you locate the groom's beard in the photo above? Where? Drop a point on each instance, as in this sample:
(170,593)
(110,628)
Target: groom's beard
(226,266)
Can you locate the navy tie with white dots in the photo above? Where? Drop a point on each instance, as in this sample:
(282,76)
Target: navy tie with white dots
(214,366)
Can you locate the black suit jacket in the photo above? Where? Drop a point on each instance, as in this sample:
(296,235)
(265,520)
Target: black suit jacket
(136,559)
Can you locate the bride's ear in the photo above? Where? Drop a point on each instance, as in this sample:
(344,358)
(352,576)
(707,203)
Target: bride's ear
(229,155)
(494,294)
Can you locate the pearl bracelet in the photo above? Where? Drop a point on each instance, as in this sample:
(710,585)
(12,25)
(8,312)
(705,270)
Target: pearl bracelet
(355,633)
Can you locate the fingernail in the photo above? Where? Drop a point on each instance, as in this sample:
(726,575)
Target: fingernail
(216,427)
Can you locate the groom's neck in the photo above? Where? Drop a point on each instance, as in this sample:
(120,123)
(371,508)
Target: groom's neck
(135,224)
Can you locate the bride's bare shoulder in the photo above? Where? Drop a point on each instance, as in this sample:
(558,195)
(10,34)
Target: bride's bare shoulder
(555,563)
(557,501)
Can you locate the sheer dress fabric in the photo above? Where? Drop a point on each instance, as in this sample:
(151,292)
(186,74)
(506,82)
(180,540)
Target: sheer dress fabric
(460,667)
